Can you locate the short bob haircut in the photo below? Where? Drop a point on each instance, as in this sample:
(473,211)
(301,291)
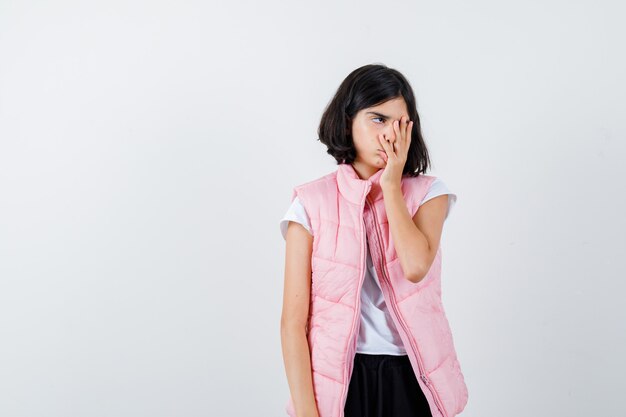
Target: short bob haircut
(369,86)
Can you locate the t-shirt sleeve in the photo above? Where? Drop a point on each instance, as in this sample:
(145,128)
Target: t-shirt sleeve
(437,188)
(295,213)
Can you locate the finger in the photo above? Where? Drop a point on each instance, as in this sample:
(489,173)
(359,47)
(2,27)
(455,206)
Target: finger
(385,144)
(391,148)
(409,131)
(382,142)
(405,131)
(406,127)
(396,128)
(385,152)
(401,143)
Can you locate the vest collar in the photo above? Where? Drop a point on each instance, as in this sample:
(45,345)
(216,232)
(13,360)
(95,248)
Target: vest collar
(355,189)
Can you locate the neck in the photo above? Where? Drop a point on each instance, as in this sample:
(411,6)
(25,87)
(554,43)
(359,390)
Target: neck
(364,171)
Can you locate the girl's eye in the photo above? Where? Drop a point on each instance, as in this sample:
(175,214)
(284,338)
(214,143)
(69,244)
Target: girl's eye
(378,118)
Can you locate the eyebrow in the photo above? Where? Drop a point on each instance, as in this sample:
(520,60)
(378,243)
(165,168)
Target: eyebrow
(378,114)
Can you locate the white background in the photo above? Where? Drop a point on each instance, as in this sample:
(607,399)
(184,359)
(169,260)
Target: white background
(148,151)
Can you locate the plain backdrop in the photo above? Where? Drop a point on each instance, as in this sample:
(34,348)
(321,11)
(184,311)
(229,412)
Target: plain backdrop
(148,150)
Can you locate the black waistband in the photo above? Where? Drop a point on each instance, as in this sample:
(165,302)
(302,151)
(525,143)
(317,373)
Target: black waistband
(374,360)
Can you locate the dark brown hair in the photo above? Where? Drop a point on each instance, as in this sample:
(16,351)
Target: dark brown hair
(369,86)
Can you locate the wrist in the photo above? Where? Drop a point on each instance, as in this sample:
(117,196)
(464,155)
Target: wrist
(390,187)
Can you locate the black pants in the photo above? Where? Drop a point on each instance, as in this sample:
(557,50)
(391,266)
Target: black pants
(384,386)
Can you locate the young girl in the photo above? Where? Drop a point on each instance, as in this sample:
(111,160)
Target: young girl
(363,329)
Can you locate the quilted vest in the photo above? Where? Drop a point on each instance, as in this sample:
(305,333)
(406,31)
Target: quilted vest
(346,212)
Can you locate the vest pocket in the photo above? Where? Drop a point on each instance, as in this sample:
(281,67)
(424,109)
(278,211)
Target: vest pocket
(449,382)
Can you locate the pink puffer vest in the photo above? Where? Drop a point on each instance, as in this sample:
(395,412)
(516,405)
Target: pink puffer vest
(343,210)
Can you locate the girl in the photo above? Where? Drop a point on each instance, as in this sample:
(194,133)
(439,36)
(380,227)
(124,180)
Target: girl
(363,329)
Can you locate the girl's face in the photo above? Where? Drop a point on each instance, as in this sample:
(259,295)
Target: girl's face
(367,125)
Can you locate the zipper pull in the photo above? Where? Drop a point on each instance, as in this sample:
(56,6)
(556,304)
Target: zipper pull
(425,379)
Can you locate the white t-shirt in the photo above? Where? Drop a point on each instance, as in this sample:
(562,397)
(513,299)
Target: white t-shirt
(377,333)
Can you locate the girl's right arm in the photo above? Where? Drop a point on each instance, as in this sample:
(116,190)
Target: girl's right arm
(296,296)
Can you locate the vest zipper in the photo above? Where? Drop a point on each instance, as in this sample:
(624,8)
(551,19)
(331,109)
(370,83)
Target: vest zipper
(399,317)
(357,320)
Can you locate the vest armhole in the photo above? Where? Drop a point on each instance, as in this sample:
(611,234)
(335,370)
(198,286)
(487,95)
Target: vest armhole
(417,199)
(305,205)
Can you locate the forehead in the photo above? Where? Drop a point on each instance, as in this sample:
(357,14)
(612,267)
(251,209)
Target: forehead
(394,108)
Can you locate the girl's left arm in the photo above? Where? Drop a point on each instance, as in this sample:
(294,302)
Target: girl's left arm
(416,239)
